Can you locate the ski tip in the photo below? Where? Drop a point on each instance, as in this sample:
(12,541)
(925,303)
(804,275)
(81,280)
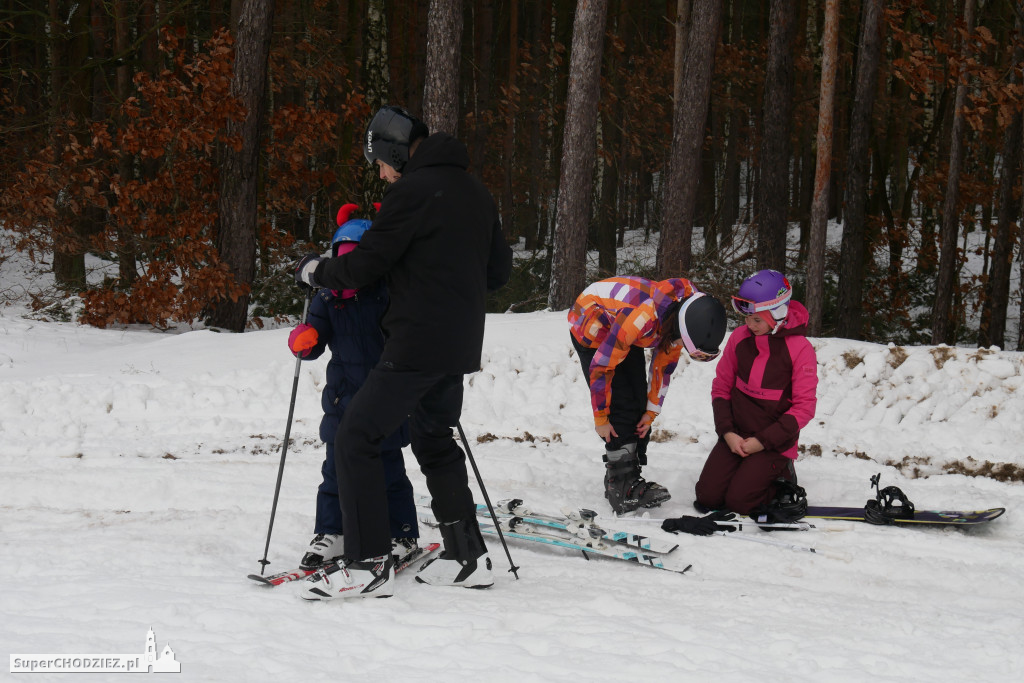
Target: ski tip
(262,580)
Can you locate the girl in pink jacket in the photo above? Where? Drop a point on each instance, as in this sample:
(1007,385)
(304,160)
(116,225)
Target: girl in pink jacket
(763,393)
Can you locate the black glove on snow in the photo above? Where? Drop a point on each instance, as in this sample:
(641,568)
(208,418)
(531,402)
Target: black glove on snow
(700,526)
(720,516)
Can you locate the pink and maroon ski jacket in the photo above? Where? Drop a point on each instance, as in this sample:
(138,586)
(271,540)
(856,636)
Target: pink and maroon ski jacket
(766,386)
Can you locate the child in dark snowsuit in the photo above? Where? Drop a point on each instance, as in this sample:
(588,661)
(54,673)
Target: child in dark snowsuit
(763,393)
(348,322)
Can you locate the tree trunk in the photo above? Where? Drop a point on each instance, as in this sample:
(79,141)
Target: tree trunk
(72,100)
(851,268)
(126,254)
(688,119)
(683,8)
(611,143)
(239,170)
(815,298)
(997,289)
(484,23)
(575,185)
(508,202)
(533,209)
(943,325)
(150,35)
(377,85)
(773,202)
(898,140)
(729,198)
(444,49)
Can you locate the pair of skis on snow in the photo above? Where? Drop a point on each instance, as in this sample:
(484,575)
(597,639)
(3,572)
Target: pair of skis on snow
(577,529)
(421,553)
(580,529)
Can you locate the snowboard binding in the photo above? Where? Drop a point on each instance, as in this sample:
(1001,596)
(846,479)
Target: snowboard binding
(890,504)
(788,505)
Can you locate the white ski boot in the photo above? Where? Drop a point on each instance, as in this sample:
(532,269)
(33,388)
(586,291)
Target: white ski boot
(322,549)
(373,577)
(463,562)
(402,548)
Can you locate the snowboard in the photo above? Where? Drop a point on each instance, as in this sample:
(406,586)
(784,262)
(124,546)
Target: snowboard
(891,506)
(949,517)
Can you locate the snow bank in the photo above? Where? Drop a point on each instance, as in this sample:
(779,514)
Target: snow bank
(137,470)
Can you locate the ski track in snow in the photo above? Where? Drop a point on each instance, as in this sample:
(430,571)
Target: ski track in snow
(137,471)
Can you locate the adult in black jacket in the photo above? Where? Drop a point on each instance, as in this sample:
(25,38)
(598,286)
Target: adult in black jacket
(438,244)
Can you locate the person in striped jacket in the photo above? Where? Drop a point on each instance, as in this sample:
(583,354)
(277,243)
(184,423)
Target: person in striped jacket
(612,323)
(764,392)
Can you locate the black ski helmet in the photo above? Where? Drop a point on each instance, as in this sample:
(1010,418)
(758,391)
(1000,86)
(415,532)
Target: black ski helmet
(702,326)
(389,135)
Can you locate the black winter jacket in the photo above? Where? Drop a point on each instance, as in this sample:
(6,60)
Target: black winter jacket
(437,242)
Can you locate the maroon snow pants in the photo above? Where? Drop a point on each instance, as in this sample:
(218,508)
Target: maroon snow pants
(740,484)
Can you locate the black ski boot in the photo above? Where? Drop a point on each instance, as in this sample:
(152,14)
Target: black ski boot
(624,487)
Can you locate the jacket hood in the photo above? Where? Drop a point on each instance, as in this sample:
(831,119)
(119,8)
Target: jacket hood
(439,149)
(796,321)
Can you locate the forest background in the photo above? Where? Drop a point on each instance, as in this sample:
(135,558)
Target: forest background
(174,158)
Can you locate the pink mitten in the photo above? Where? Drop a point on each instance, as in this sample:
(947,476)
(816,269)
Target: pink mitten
(302,339)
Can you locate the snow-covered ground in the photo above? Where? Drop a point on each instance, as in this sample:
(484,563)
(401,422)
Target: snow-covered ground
(137,470)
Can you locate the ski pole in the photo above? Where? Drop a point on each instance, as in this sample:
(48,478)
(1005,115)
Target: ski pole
(287,432)
(487,499)
(783,544)
(740,524)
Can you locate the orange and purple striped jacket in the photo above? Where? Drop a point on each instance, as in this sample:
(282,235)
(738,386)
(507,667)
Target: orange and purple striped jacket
(621,312)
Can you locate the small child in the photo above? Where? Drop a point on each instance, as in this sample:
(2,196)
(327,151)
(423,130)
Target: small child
(348,321)
(763,394)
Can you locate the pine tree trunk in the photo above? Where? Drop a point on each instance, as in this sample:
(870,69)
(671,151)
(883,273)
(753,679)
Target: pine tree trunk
(534,215)
(126,253)
(611,136)
(729,201)
(71,90)
(575,185)
(943,324)
(851,268)
(992,330)
(444,49)
(815,298)
(508,201)
(239,170)
(377,86)
(484,21)
(773,203)
(683,8)
(688,120)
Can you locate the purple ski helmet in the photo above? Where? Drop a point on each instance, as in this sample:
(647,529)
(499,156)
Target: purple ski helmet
(765,291)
